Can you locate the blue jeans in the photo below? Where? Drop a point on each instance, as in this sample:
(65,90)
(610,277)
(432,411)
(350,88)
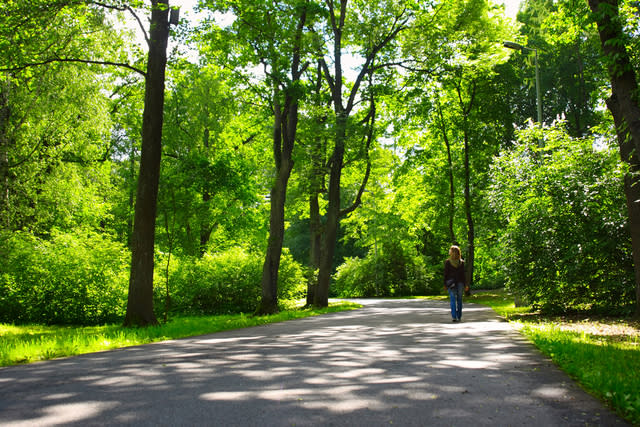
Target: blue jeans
(455,296)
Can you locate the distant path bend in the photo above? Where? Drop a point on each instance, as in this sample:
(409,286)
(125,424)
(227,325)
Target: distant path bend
(393,362)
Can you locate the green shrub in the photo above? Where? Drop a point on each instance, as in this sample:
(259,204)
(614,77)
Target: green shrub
(227,282)
(565,246)
(292,283)
(391,273)
(71,278)
(356,278)
(489,271)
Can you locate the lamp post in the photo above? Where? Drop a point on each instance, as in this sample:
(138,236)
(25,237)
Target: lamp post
(516,46)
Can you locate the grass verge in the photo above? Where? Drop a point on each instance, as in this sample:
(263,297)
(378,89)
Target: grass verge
(26,344)
(602,354)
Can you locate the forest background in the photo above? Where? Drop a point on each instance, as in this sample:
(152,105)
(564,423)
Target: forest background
(274,151)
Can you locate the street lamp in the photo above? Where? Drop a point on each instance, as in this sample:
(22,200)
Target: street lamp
(516,46)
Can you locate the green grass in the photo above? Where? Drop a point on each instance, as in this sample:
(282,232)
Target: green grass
(26,344)
(606,363)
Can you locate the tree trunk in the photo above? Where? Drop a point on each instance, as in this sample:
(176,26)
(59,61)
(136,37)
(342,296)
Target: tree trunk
(284,164)
(321,298)
(315,228)
(334,212)
(466,110)
(140,300)
(205,227)
(452,200)
(132,196)
(5,114)
(631,189)
(284,136)
(316,186)
(342,112)
(625,108)
(467,207)
(269,302)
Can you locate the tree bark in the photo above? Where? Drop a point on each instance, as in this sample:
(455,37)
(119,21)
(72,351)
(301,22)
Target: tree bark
(321,298)
(315,228)
(140,300)
(269,301)
(132,196)
(205,227)
(284,135)
(452,200)
(315,221)
(466,110)
(471,236)
(625,108)
(316,187)
(282,149)
(5,115)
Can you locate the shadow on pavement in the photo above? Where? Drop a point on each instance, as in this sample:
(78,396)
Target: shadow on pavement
(400,362)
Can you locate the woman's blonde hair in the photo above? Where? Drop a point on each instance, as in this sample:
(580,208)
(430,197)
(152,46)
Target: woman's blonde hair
(456,252)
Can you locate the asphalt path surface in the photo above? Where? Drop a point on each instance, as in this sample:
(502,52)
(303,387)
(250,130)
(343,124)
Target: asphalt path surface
(393,362)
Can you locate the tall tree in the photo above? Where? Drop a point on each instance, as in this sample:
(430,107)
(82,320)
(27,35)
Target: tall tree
(624,105)
(464,58)
(285,107)
(442,126)
(140,299)
(271,34)
(317,153)
(466,105)
(396,18)
(140,303)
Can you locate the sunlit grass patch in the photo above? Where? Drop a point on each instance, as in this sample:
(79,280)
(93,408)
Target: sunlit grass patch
(500,301)
(31,343)
(606,366)
(603,355)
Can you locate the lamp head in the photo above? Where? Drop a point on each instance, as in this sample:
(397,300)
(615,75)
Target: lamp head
(512,45)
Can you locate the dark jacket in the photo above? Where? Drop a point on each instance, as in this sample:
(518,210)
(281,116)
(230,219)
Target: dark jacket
(455,273)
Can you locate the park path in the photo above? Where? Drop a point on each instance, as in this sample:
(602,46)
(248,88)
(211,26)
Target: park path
(393,362)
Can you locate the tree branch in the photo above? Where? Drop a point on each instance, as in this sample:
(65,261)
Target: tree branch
(124,9)
(81,61)
(327,75)
(398,26)
(365,180)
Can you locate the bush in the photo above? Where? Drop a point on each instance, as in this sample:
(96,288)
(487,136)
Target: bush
(391,273)
(489,271)
(565,246)
(73,278)
(227,282)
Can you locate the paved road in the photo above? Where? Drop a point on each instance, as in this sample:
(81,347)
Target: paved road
(399,362)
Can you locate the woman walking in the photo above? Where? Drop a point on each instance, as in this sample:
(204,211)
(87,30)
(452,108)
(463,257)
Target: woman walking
(455,281)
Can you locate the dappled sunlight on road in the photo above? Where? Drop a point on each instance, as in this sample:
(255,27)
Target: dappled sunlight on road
(374,360)
(394,361)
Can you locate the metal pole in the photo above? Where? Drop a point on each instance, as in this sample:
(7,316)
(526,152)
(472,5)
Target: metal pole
(516,46)
(538,98)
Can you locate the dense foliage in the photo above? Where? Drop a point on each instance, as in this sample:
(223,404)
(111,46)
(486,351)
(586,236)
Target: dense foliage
(69,278)
(565,243)
(384,276)
(226,282)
